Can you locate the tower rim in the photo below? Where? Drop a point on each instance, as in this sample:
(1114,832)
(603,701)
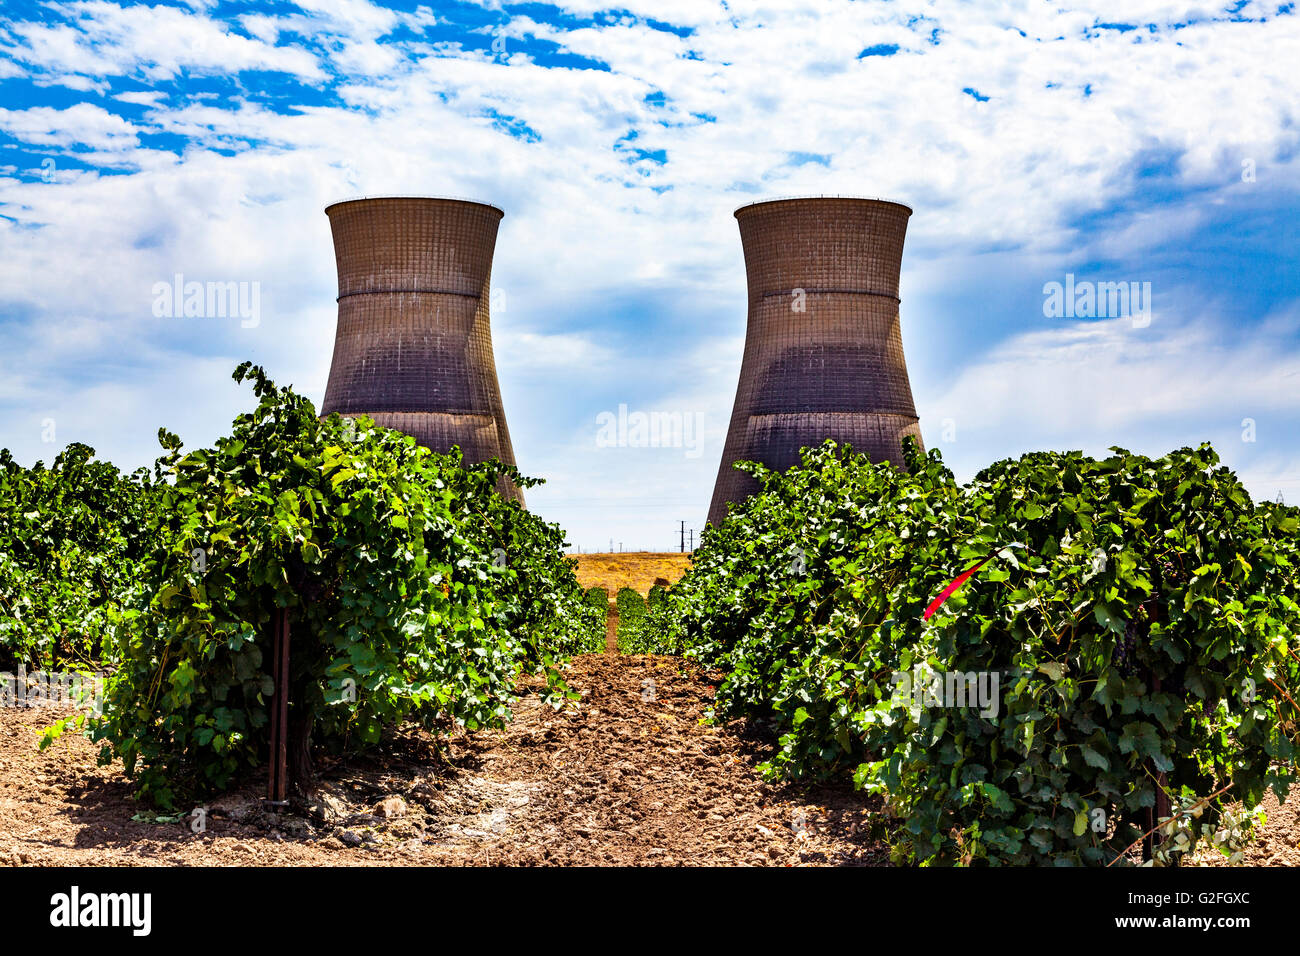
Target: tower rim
(781,199)
(461,200)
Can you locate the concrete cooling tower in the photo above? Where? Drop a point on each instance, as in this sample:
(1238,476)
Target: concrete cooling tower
(413,348)
(823,350)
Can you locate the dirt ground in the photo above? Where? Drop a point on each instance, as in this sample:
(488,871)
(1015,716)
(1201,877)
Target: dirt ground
(1278,843)
(628,776)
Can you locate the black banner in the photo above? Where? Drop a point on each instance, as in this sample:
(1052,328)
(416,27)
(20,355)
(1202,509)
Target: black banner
(334,906)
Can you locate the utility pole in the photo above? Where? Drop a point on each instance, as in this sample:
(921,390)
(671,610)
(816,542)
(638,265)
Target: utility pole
(683,537)
(692,539)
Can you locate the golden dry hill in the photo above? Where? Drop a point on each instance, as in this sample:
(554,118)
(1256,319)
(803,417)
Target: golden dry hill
(632,569)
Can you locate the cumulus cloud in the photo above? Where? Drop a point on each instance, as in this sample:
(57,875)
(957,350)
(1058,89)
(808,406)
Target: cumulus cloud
(98,38)
(81,125)
(1091,385)
(619,144)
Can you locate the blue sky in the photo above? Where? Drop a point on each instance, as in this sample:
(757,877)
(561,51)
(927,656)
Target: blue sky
(1134,141)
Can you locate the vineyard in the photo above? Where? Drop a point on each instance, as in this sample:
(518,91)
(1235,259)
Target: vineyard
(416,594)
(1066,661)
(1119,677)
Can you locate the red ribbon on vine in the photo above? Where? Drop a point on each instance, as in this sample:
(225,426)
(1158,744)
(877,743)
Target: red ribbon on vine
(962,578)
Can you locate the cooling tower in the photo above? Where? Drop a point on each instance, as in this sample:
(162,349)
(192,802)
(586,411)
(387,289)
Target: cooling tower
(413,348)
(823,350)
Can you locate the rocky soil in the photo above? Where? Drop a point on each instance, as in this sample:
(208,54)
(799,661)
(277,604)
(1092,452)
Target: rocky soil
(629,775)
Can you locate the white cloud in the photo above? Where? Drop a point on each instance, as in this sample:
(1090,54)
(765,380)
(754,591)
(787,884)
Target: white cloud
(140,98)
(538,352)
(1091,385)
(105,39)
(83,124)
(586,240)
